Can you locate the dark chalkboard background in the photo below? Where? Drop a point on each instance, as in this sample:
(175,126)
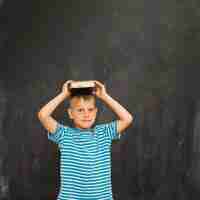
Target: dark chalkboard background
(147,54)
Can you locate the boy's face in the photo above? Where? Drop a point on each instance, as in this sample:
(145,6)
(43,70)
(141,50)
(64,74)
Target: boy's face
(82,112)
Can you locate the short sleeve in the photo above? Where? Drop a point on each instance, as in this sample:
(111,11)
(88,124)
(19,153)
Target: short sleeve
(58,135)
(111,130)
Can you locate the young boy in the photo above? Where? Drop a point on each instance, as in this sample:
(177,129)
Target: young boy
(85,150)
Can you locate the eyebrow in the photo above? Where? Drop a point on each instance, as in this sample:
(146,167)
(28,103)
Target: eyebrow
(82,107)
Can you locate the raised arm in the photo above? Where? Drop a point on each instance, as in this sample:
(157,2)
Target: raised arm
(125,118)
(44,114)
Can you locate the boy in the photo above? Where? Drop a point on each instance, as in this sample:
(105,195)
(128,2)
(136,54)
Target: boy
(85,154)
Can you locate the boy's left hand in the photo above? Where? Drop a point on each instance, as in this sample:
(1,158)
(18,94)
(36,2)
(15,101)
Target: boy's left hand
(100,90)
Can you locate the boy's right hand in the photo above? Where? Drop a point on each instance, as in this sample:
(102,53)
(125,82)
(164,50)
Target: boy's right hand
(65,88)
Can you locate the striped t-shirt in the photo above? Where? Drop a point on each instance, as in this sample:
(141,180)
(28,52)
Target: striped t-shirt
(85,161)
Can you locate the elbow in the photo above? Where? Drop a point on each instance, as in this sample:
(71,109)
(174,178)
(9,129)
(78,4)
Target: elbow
(40,115)
(129,119)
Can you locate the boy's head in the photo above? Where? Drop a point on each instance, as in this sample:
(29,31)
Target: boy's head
(82,110)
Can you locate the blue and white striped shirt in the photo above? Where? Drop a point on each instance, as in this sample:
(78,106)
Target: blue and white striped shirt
(85,161)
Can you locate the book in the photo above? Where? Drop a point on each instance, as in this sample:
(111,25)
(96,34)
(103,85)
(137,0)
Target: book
(78,88)
(82,84)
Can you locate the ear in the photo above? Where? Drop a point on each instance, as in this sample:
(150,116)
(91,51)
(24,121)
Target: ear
(96,109)
(70,113)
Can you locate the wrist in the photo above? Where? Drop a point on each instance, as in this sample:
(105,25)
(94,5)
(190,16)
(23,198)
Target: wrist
(104,96)
(64,95)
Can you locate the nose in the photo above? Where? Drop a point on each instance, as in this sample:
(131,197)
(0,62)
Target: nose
(86,113)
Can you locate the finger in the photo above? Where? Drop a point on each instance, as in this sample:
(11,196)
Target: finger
(99,83)
(68,83)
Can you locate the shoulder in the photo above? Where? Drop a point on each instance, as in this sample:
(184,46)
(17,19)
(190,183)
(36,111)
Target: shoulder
(62,129)
(107,125)
(109,130)
(100,126)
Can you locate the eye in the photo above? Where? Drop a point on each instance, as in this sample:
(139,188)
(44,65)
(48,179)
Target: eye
(80,110)
(91,109)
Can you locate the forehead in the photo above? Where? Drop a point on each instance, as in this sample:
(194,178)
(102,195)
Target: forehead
(80,101)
